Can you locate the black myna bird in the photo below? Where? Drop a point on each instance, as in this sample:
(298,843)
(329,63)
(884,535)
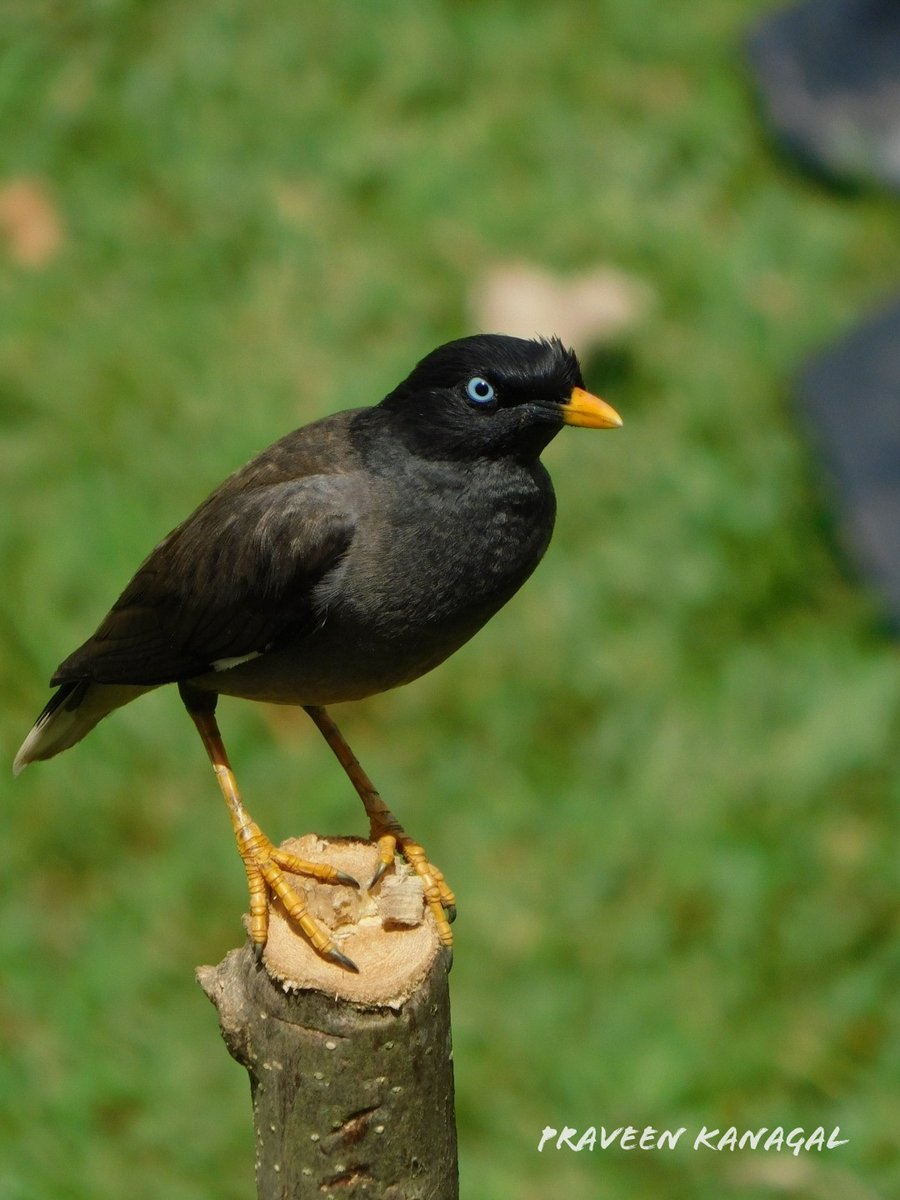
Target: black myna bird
(350,557)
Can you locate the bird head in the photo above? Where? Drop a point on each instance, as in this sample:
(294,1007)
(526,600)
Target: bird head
(493,396)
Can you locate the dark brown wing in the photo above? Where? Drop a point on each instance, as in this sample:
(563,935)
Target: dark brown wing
(237,577)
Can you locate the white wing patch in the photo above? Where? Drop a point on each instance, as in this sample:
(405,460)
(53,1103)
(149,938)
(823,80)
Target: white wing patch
(225,664)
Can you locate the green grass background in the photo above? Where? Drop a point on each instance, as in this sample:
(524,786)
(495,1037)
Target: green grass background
(663,782)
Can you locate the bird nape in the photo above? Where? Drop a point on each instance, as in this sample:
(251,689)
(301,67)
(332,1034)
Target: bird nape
(348,558)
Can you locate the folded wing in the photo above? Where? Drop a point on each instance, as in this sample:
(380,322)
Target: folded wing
(237,578)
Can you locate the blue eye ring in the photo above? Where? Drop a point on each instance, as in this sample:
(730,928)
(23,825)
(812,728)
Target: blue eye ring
(479,390)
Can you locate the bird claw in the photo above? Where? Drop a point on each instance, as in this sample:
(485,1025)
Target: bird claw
(266,865)
(332,954)
(380,873)
(439,898)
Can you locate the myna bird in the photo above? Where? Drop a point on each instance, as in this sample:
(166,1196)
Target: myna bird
(350,557)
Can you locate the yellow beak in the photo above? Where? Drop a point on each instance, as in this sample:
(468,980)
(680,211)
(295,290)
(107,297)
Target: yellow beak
(591,412)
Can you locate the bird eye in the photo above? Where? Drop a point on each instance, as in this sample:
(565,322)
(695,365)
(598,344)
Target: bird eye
(479,390)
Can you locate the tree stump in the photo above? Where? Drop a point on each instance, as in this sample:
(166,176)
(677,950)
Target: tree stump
(351,1076)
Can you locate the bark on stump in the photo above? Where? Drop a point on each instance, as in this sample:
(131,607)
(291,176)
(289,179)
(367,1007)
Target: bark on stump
(351,1076)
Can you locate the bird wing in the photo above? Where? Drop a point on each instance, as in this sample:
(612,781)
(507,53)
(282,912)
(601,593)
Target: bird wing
(235,579)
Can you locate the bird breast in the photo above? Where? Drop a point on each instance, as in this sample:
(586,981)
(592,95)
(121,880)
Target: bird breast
(448,558)
(415,584)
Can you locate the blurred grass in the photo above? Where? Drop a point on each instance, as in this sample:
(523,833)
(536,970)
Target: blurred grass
(663,782)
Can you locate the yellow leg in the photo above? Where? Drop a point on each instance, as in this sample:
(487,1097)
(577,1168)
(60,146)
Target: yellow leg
(387,831)
(264,863)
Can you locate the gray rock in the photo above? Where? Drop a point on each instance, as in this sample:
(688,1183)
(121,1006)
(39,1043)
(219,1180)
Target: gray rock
(828,72)
(850,398)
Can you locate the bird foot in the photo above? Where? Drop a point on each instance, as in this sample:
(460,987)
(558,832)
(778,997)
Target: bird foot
(438,895)
(265,865)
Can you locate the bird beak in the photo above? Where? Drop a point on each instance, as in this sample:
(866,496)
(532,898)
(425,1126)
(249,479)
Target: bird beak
(582,408)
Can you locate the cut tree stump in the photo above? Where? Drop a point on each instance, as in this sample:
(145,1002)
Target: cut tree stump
(351,1076)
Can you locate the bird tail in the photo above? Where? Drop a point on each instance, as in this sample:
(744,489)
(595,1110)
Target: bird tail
(71,713)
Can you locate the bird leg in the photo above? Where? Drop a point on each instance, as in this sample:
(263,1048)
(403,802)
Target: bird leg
(387,831)
(264,863)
